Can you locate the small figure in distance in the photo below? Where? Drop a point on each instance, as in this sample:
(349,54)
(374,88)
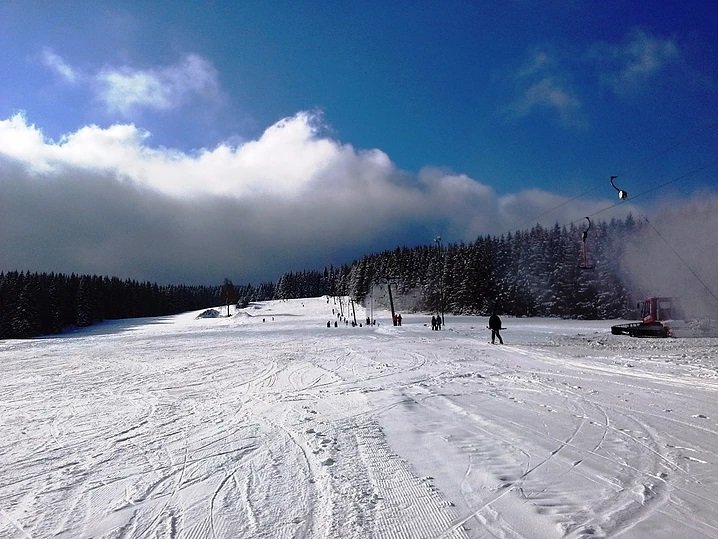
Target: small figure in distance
(495,327)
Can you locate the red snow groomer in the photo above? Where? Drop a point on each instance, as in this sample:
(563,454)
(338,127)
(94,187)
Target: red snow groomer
(655,314)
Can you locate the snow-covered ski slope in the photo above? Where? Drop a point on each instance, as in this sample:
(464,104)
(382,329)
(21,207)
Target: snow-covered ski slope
(269,424)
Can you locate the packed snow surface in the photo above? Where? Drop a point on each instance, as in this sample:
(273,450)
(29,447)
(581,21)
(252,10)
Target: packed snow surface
(270,424)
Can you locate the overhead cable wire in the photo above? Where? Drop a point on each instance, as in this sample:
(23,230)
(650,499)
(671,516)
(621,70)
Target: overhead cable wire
(649,157)
(698,278)
(554,208)
(672,146)
(657,187)
(675,252)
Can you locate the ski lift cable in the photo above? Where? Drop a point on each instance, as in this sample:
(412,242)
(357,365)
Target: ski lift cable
(657,187)
(575,222)
(554,208)
(683,261)
(649,157)
(675,252)
(623,195)
(676,143)
(678,178)
(623,199)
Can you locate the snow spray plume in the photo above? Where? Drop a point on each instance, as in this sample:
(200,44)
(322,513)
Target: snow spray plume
(676,254)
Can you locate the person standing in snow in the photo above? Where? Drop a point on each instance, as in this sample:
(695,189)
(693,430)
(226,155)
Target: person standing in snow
(495,327)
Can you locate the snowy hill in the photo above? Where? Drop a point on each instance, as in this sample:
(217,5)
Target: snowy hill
(270,424)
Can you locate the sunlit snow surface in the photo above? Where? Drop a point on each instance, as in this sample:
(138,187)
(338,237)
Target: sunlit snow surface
(269,424)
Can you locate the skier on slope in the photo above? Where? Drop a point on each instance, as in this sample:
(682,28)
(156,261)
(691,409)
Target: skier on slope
(495,327)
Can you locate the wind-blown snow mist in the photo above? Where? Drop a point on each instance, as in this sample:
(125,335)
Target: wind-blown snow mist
(676,254)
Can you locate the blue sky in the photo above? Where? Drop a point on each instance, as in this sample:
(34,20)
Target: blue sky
(420,118)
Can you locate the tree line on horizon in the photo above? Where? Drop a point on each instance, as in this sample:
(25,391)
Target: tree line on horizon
(536,272)
(526,273)
(34,304)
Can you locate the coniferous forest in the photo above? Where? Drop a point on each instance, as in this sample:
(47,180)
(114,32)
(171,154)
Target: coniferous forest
(33,304)
(526,273)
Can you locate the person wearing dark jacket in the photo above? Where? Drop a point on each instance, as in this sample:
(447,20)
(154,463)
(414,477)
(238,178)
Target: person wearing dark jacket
(495,327)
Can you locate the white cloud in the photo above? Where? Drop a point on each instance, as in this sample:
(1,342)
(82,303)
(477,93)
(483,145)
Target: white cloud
(538,63)
(550,94)
(23,142)
(544,81)
(627,67)
(542,84)
(102,200)
(52,60)
(126,89)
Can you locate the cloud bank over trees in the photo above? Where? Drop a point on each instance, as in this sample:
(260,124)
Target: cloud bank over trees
(104,200)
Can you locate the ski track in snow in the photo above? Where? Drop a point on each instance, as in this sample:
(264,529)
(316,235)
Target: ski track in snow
(269,424)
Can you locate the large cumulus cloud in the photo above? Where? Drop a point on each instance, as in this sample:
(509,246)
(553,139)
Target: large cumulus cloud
(104,200)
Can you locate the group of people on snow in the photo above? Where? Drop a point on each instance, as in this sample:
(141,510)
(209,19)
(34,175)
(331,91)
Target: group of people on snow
(436,323)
